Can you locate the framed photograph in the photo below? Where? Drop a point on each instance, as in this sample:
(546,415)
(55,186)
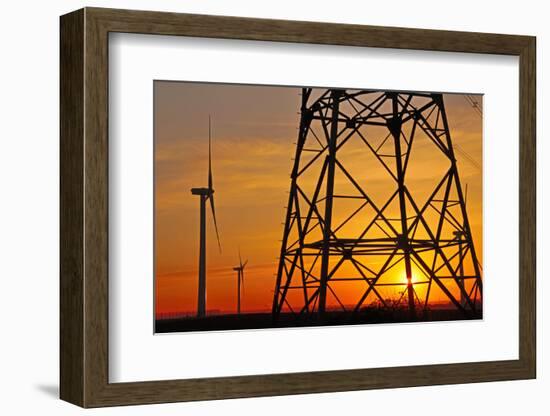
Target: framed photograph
(260,207)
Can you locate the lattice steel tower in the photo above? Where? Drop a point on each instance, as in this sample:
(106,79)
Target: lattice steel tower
(376,215)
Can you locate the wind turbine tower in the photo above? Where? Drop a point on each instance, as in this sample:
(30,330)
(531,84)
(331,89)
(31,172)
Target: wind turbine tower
(206,194)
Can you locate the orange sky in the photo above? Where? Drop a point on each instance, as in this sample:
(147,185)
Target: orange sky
(254,128)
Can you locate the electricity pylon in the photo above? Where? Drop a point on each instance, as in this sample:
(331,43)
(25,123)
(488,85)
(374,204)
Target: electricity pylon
(376,213)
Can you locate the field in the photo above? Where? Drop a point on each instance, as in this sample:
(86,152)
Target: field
(286,320)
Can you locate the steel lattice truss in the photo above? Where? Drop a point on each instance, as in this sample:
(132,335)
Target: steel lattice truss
(356,225)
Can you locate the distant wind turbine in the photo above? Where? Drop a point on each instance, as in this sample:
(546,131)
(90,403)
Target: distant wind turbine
(205,195)
(240,281)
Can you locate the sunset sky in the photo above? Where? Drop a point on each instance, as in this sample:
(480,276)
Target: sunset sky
(253,131)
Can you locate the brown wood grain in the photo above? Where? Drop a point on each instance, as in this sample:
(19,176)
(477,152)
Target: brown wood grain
(72,215)
(84,207)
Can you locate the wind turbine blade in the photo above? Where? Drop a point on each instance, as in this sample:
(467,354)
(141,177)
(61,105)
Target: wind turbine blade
(242,265)
(240,259)
(242,279)
(211,198)
(210,182)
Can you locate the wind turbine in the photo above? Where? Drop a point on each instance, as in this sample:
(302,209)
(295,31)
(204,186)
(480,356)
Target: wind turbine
(240,280)
(206,194)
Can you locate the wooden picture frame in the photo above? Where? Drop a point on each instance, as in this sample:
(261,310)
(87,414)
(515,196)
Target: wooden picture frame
(84,207)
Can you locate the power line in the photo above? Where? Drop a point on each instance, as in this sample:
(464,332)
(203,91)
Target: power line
(476,107)
(466,156)
(473,102)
